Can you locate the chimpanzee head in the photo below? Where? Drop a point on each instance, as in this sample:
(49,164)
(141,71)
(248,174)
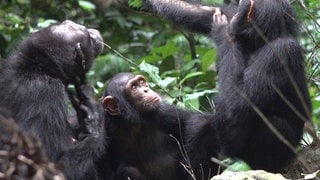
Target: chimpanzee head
(63,50)
(129,97)
(268,18)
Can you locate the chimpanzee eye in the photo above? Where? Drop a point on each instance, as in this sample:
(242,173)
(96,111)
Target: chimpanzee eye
(134,87)
(142,81)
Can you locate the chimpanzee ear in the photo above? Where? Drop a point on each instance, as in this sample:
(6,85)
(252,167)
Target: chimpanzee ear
(110,104)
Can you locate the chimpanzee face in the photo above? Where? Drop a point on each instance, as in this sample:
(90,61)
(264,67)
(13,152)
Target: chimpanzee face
(65,51)
(126,88)
(87,42)
(73,33)
(138,92)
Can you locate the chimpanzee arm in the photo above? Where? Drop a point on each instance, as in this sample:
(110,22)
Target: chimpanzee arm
(90,120)
(85,106)
(193,17)
(173,119)
(201,144)
(47,119)
(196,136)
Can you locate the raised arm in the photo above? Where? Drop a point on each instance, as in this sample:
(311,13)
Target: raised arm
(193,17)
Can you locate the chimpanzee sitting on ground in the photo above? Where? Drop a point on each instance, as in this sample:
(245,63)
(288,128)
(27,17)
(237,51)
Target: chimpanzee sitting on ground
(33,86)
(263,100)
(142,131)
(263,89)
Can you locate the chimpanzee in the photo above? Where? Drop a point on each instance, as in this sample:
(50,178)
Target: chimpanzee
(145,134)
(261,66)
(263,91)
(33,87)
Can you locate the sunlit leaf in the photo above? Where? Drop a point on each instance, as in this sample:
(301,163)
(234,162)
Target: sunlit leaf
(167,81)
(135,3)
(87,5)
(196,95)
(208,59)
(46,22)
(190,75)
(152,71)
(238,166)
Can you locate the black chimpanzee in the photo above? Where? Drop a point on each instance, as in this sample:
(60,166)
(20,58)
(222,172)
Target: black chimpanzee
(262,80)
(143,132)
(263,91)
(33,86)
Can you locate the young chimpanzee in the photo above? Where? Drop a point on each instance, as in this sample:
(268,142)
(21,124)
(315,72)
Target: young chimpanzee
(263,100)
(144,132)
(33,87)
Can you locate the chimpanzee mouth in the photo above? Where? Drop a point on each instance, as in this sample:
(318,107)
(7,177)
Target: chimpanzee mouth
(155,100)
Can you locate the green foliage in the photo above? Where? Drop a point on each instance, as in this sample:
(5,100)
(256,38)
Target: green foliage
(135,3)
(309,16)
(86,5)
(167,86)
(235,166)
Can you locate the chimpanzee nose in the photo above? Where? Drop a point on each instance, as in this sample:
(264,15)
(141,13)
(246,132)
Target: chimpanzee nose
(145,89)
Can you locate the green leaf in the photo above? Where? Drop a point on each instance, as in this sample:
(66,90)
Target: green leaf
(208,59)
(135,3)
(167,81)
(152,71)
(15,19)
(196,95)
(190,75)
(192,104)
(166,50)
(87,5)
(238,166)
(46,22)
(190,65)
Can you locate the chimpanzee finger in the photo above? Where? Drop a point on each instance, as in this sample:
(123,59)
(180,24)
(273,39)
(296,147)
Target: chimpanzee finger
(219,18)
(90,122)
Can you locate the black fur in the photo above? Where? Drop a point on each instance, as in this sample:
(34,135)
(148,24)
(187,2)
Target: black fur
(144,146)
(192,16)
(260,66)
(33,88)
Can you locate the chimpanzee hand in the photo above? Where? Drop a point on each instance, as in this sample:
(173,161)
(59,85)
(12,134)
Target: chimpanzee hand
(88,110)
(219,18)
